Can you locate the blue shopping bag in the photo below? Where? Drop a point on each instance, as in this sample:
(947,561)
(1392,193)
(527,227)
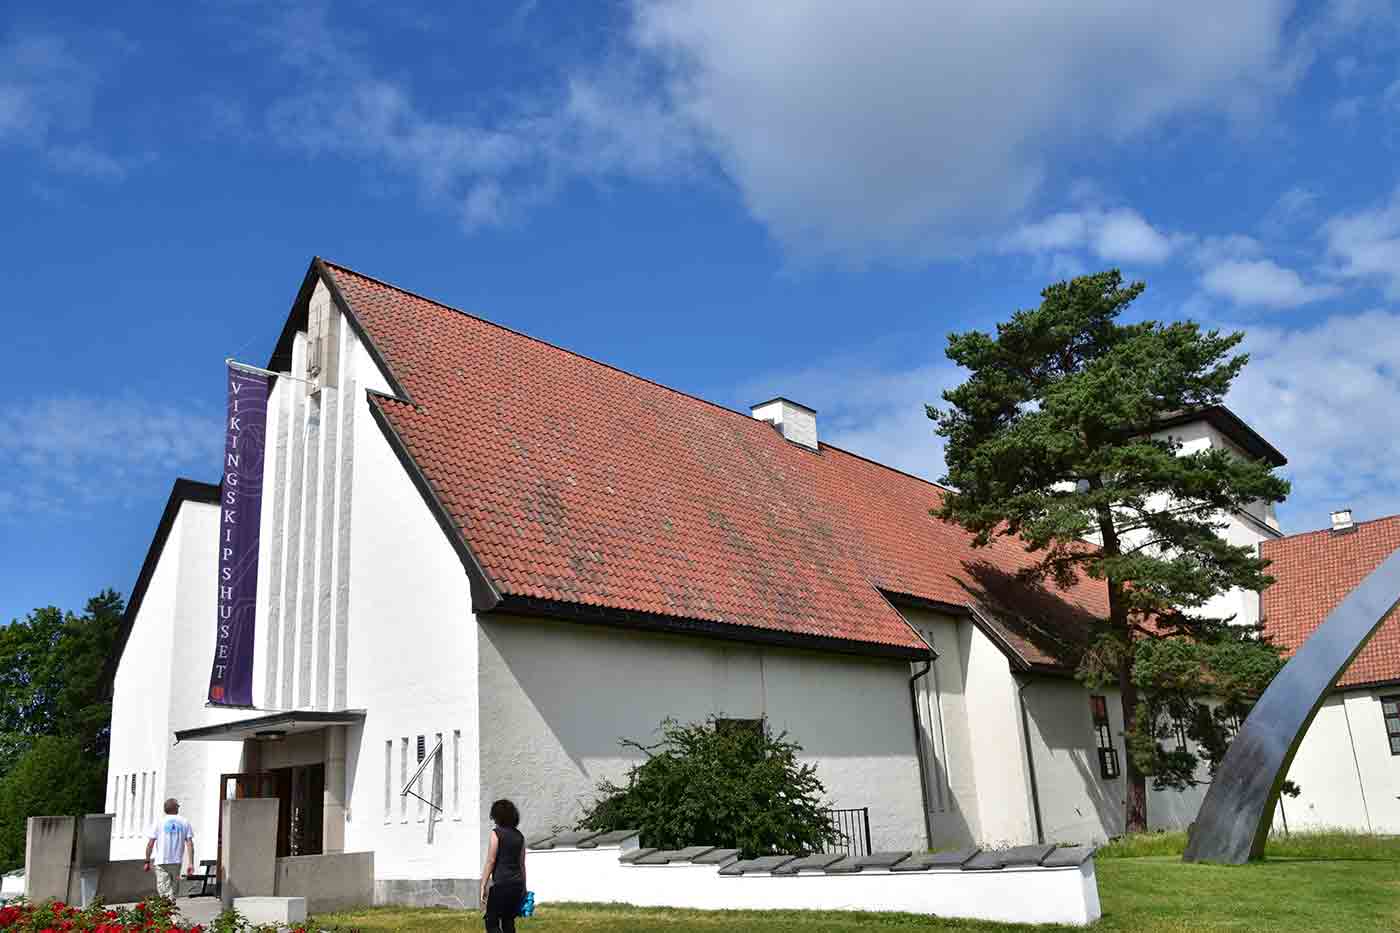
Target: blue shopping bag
(527,906)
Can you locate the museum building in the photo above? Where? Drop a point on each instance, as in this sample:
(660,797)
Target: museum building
(483,560)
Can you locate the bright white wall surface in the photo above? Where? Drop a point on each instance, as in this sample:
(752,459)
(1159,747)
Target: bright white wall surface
(556,697)
(412,667)
(1030,895)
(160,687)
(947,738)
(997,742)
(1349,778)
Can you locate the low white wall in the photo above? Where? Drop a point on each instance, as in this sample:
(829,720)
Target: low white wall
(1008,895)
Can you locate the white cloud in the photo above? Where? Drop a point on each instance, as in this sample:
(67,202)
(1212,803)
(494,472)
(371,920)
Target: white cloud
(47,94)
(923,125)
(1365,245)
(1262,282)
(1119,235)
(490,171)
(912,128)
(1327,396)
(62,453)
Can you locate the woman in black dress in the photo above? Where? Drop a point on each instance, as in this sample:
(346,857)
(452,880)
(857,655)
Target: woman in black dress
(503,875)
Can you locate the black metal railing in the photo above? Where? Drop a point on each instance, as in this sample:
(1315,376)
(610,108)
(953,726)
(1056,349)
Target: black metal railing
(852,828)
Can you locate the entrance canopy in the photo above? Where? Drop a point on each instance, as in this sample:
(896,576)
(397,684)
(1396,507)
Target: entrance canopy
(272,727)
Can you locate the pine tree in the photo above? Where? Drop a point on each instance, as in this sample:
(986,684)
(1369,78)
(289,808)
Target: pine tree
(1051,439)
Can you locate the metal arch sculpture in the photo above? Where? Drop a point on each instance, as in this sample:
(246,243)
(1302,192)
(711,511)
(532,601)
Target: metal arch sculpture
(1234,820)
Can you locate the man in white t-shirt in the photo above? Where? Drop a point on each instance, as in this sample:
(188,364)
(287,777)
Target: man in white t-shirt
(175,836)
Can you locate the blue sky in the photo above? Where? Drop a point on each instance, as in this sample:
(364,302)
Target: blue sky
(735,199)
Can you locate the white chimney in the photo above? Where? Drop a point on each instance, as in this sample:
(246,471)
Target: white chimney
(798,423)
(1341,520)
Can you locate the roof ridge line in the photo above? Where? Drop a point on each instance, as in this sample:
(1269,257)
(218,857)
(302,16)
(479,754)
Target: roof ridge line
(1324,531)
(893,469)
(540,340)
(583,356)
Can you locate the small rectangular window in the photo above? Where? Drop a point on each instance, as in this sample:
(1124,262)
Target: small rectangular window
(749,725)
(1390,710)
(1103,734)
(1179,728)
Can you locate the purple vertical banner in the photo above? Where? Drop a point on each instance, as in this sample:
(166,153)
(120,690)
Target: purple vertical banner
(240,518)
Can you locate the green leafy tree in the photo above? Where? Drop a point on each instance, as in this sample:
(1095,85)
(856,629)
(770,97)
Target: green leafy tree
(1051,439)
(718,783)
(51,674)
(54,715)
(55,777)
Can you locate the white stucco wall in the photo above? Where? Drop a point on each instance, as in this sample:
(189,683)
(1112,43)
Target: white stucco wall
(1349,778)
(943,718)
(160,687)
(997,744)
(412,666)
(556,697)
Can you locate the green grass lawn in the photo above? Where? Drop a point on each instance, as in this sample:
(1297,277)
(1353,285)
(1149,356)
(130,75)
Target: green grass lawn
(1333,882)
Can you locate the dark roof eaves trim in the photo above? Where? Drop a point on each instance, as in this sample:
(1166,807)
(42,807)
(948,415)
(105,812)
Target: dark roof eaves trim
(1368,685)
(320,270)
(484,592)
(784,398)
(970,612)
(183,490)
(332,717)
(1232,426)
(683,625)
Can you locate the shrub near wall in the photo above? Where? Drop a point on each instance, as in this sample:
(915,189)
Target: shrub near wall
(728,783)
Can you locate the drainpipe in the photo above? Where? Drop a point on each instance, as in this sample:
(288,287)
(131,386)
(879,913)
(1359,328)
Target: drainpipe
(1030,759)
(919,747)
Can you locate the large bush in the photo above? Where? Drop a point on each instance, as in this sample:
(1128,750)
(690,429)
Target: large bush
(720,783)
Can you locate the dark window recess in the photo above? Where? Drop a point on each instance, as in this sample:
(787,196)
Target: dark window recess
(735,725)
(1103,734)
(422,748)
(1390,709)
(1179,727)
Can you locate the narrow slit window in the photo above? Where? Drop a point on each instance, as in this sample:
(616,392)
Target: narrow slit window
(388,779)
(1103,735)
(456,774)
(418,784)
(437,790)
(403,779)
(1390,709)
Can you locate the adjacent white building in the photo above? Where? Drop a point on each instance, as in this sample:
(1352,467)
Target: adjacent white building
(479,543)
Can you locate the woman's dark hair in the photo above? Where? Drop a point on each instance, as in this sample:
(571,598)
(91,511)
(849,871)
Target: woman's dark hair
(504,813)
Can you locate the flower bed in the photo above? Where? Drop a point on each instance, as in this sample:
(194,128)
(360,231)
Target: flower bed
(155,915)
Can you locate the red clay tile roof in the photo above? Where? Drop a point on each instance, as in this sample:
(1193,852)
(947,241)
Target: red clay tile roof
(1313,573)
(576,482)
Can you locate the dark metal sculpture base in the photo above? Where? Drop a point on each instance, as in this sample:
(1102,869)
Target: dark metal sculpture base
(1234,821)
